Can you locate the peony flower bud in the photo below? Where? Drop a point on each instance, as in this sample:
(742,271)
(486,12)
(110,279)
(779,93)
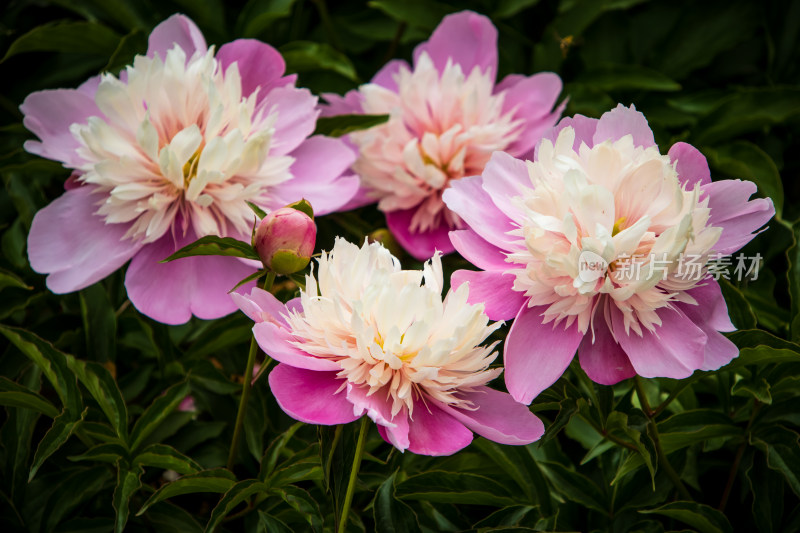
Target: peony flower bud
(285,240)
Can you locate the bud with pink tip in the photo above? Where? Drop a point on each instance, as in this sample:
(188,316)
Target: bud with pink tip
(284,240)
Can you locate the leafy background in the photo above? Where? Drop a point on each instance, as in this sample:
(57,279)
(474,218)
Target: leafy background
(92,438)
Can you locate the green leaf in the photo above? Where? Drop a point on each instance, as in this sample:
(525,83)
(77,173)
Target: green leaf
(793,277)
(128,483)
(260,213)
(271,524)
(258,16)
(738,307)
(14,395)
(169,518)
(516,461)
(454,487)
(99,322)
(627,77)
(157,411)
(104,453)
(168,458)
(744,160)
(61,430)
(508,8)
(420,13)
(782,448)
(703,518)
(238,493)
(73,37)
(252,277)
(344,124)
(73,490)
(637,434)
(574,486)
(9,279)
(213,245)
(303,503)
(305,56)
(757,347)
(303,206)
(104,390)
(216,480)
(390,514)
(754,387)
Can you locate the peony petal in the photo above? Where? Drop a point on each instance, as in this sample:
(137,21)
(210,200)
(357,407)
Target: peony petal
(172,292)
(74,246)
(675,350)
(466,38)
(349,104)
(603,360)
(622,121)
(49,115)
(537,354)
(260,65)
(691,165)
(533,99)
(310,396)
(420,245)
(498,417)
(385,76)
(431,431)
(711,308)
(260,302)
(379,409)
(719,349)
(180,30)
(584,127)
(275,341)
(505,177)
(468,199)
(477,251)
(297,117)
(735,214)
(492,288)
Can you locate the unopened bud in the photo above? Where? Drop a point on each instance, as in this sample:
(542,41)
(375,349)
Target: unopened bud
(285,240)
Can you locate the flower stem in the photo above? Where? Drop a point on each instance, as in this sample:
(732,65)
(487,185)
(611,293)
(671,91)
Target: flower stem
(738,459)
(662,457)
(248,377)
(351,485)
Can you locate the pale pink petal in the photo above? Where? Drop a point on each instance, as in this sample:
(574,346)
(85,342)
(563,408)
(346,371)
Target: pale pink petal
(275,341)
(259,302)
(603,360)
(675,350)
(180,30)
(172,292)
(711,308)
(584,127)
(467,38)
(385,76)
(622,121)
(297,117)
(504,178)
(477,251)
(492,288)
(49,115)
(349,104)
(719,349)
(295,304)
(468,199)
(379,409)
(74,246)
(310,396)
(420,245)
(537,354)
(533,99)
(431,431)
(691,165)
(89,87)
(260,65)
(498,417)
(738,217)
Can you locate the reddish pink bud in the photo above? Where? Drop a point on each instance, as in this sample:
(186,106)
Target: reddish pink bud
(285,240)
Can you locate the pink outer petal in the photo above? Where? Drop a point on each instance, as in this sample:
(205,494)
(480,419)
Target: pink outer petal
(691,165)
(711,308)
(260,65)
(533,99)
(172,292)
(492,288)
(385,76)
(467,38)
(603,360)
(349,104)
(738,217)
(261,306)
(318,168)
(379,410)
(498,417)
(180,30)
(49,115)
(310,396)
(431,431)
(422,245)
(468,199)
(622,121)
(275,342)
(584,127)
(503,178)
(674,351)
(297,117)
(537,354)
(74,246)
(719,349)
(477,251)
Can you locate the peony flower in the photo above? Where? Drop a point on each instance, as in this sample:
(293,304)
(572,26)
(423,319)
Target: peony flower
(589,247)
(285,239)
(447,116)
(368,337)
(169,152)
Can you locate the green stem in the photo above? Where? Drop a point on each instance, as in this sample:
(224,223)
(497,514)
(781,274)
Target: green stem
(738,458)
(351,485)
(662,457)
(248,377)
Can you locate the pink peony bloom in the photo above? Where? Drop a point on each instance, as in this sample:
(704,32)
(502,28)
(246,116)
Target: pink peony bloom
(601,245)
(169,152)
(368,337)
(447,116)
